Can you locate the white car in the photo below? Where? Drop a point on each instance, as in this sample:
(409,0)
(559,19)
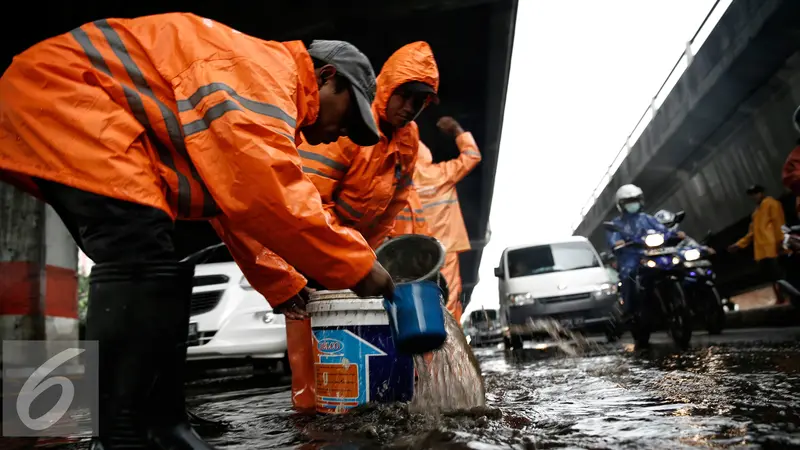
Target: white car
(230,320)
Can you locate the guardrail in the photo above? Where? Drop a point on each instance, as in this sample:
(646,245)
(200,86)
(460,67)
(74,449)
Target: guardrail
(684,61)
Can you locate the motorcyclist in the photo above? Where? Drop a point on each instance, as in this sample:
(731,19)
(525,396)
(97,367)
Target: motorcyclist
(631,222)
(667,218)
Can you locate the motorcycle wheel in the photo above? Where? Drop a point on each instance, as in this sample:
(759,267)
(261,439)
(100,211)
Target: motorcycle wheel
(640,329)
(715,320)
(680,316)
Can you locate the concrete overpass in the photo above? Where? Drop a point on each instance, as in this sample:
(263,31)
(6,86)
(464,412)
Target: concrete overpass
(725,125)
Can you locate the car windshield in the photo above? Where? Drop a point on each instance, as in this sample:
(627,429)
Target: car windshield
(551,258)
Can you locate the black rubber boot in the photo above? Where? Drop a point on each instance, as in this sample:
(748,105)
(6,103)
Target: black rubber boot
(139,314)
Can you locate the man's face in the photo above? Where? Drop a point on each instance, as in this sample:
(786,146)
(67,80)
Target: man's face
(404,106)
(335,110)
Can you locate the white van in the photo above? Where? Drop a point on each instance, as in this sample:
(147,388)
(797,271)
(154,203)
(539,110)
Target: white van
(563,280)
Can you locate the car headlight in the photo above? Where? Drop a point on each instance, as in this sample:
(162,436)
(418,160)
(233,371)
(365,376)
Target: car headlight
(692,254)
(265,316)
(654,240)
(606,290)
(244,284)
(521,299)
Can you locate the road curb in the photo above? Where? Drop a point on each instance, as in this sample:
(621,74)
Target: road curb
(770,316)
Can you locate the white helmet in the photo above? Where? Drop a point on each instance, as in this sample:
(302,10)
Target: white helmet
(628,194)
(796,119)
(665,217)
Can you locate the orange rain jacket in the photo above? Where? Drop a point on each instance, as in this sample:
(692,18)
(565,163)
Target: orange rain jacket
(411,219)
(436,186)
(791,175)
(189,116)
(765,230)
(365,187)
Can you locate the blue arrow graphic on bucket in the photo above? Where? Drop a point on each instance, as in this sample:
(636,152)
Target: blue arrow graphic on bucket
(344,347)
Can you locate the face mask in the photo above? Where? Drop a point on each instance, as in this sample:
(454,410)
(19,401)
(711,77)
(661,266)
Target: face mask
(633,208)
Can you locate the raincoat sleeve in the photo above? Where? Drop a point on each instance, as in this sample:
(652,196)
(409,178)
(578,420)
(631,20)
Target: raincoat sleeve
(612,237)
(791,171)
(241,139)
(266,272)
(745,241)
(777,218)
(354,203)
(456,169)
(384,224)
(654,224)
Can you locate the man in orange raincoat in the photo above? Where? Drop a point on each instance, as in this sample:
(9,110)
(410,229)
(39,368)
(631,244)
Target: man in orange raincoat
(367,186)
(124,126)
(435,184)
(765,235)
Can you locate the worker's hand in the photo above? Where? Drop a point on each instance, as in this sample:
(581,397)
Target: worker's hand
(681,235)
(378,282)
(733,248)
(295,307)
(448,125)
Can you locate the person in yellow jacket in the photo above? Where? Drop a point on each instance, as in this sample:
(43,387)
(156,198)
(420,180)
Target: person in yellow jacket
(765,235)
(435,184)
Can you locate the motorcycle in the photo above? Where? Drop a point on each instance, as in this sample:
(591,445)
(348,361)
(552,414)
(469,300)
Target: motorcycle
(701,291)
(661,301)
(699,278)
(790,285)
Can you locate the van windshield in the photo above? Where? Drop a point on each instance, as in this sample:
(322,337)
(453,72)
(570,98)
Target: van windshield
(541,259)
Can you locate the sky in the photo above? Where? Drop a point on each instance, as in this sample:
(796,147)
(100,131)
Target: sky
(582,73)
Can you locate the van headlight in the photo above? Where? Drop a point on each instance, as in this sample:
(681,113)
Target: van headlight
(244,284)
(692,254)
(606,290)
(521,299)
(654,240)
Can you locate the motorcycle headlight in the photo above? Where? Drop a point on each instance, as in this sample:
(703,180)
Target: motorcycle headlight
(654,240)
(649,263)
(521,299)
(606,290)
(692,254)
(244,284)
(676,260)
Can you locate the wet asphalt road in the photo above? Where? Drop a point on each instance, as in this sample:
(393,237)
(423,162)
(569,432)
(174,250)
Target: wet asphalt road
(737,390)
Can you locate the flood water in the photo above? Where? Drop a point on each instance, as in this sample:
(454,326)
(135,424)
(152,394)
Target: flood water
(738,391)
(737,394)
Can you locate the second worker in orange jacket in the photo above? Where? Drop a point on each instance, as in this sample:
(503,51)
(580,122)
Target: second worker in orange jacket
(366,186)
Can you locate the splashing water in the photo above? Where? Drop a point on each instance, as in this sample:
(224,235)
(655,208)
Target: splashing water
(449,378)
(572,343)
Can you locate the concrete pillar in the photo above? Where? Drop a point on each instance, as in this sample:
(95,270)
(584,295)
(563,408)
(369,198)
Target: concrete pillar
(38,271)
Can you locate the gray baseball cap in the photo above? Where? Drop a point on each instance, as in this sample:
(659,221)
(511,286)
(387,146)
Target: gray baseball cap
(353,65)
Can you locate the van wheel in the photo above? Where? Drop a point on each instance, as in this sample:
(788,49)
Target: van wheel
(514,342)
